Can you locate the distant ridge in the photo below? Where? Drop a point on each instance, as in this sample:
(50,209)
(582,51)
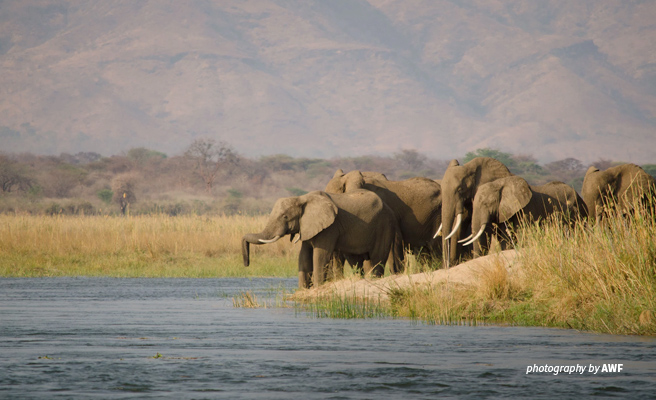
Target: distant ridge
(341,78)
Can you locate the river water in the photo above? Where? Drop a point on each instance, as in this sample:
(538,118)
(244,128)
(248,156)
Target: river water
(183,338)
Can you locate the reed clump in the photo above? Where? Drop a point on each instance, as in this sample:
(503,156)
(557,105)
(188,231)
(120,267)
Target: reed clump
(138,246)
(344,307)
(600,278)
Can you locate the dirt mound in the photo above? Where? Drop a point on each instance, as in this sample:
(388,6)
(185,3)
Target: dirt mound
(466,273)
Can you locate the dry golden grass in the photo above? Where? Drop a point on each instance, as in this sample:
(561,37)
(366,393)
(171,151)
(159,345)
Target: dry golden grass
(598,278)
(151,246)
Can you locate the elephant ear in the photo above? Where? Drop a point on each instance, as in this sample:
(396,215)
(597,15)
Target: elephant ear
(339,173)
(319,212)
(353,181)
(515,195)
(453,163)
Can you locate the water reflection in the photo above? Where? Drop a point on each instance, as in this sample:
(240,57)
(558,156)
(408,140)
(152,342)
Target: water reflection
(182,338)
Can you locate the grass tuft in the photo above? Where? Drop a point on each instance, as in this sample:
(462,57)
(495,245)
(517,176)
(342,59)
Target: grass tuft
(246,300)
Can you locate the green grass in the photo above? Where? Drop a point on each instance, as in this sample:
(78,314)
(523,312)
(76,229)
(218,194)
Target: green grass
(344,308)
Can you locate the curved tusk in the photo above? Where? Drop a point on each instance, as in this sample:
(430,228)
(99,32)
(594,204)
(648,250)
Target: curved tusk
(455,228)
(296,238)
(465,239)
(270,240)
(439,232)
(480,232)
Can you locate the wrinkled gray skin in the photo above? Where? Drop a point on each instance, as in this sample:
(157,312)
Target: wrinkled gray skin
(356,224)
(620,185)
(459,186)
(507,201)
(416,203)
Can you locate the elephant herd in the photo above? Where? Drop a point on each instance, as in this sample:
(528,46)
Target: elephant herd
(366,219)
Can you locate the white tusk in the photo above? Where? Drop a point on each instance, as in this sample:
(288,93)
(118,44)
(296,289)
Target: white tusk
(455,228)
(296,238)
(465,239)
(439,231)
(270,240)
(480,232)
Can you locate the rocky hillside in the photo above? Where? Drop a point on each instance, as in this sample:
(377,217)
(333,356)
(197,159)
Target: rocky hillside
(320,78)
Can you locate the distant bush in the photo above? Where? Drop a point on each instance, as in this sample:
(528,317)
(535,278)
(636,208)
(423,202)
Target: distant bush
(106,196)
(294,191)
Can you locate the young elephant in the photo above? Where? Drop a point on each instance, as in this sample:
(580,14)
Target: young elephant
(507,200)
(357,224)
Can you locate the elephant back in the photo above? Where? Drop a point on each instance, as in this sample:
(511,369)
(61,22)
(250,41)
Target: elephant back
(561,197)
(362,204)
(632,182)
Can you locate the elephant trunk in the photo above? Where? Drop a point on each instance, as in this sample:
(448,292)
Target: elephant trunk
(254,238)
(450,237)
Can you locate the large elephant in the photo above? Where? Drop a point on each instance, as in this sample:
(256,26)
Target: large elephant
(511,199)
(459,186)
(416,203)
(358,225)
(620,185)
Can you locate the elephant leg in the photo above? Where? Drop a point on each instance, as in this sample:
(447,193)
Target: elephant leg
(396,256)
(377,269)
(305,265)
(320,262)
(337,265)
(380,254)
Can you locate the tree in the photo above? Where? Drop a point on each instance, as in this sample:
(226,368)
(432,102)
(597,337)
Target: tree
(142,154)
(411,160)
(650,169)
(565,165)
(505,158)
(569,170)
(12,176)
(208,157)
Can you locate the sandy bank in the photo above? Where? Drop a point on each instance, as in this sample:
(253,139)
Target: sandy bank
(466,273)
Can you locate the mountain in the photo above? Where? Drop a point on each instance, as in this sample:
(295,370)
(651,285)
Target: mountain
(317,78)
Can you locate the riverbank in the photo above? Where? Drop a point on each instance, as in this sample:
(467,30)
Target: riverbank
(599,278)
(471,273)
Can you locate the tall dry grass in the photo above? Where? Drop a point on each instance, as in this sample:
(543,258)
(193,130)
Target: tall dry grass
(600,278)
(149,246)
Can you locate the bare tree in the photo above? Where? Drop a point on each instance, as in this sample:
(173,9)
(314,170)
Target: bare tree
(12,176)
(208,157)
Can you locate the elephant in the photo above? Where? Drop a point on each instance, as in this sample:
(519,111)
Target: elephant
(459,186)
(357,224)
(620,185)
(510,200)
(416,203)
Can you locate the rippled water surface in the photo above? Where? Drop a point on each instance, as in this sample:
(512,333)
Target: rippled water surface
(182,338)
